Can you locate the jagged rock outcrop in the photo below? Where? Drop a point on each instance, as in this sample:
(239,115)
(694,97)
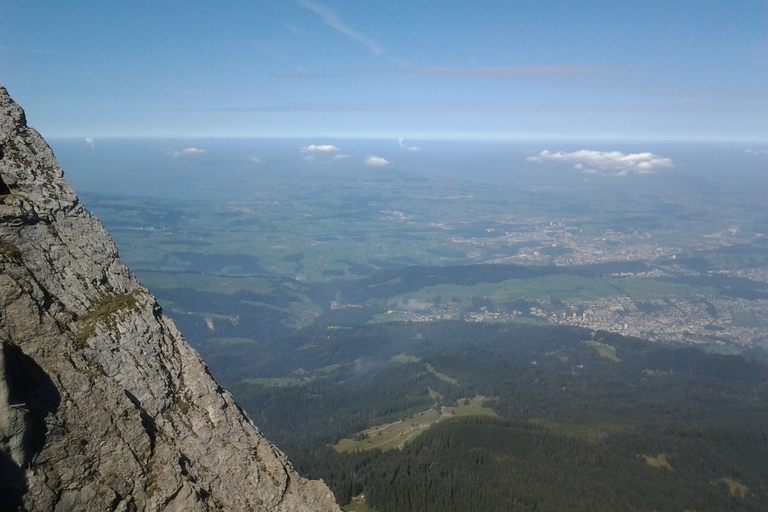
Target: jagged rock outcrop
(103,405)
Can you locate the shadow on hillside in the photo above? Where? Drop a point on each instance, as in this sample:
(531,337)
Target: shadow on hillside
(32,396)
(13,483)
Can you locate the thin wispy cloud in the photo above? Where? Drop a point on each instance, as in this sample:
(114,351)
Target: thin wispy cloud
(339,158)
(476,72)
(376,161)
(332,20)
(592,162)
(36,50)
(505,71)
(755,95)
(89,141)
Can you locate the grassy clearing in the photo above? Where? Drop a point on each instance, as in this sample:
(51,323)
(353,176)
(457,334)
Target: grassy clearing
(230,342)
(328,369)
(737,489)
(357,505)
(404,359)
(557,286)
(723,349)
(647,289)
(395,435)
(561,287)
(443,377)
(469,407)
(606,351)
(273,382)
(658,462)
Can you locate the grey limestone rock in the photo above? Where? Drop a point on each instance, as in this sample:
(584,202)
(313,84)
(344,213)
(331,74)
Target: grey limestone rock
(103,405)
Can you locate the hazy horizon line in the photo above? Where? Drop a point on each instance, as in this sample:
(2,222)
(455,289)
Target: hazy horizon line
(435,138)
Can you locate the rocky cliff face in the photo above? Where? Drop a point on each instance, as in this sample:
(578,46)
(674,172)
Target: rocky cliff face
(103,405)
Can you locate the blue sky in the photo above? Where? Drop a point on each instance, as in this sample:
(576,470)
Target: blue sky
(543,69)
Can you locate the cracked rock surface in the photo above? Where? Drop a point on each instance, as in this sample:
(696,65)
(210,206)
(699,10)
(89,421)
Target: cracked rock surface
(103,405)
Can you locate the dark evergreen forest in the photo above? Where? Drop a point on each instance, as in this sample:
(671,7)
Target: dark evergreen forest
(576,429)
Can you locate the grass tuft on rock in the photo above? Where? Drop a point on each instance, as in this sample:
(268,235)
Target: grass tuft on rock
(105,313)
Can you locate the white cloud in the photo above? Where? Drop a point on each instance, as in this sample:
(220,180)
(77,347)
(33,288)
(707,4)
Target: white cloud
(322,148)
(89,141)
(255,159)
(309,158)
(639,163)
(590,171)
(192,151)
(376,161)
(338,158)
(407,148)
(330,19)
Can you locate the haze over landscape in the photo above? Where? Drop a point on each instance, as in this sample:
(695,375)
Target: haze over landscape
(552,69)
(431,245)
